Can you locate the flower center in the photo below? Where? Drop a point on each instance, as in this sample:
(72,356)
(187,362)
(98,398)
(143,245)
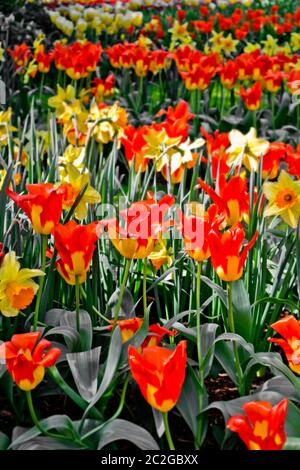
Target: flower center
(286,198)
(20,296)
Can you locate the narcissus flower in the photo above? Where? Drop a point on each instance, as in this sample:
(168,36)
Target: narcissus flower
(140,228)
(262,426)
(42,204)
(132,325)
(72,184)
(26,359)
(160,374)
(246,149)
(161,254)
(226,255)
(75,245)
(5,126)
(289,329)
(284,199)
(17,289)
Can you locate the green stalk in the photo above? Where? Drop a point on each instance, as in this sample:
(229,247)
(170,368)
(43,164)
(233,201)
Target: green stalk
(145,286)
(77,295)
(55,375)
(115,415)
(201,378)
(40,291)
(168,433)
(235,348)
(122,289)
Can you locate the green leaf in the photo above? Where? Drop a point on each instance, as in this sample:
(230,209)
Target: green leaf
(112,362)
(125,430)
(86,329)
(4,441)
(3,197)
(292,443)
(241,309)
(85,368)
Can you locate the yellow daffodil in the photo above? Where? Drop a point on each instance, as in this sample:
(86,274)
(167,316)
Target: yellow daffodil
(246,149)
(17,289)
(5,126)
(284,199)
(71,186)
(2,51)
(229,44)
(251,47)
(270,45)
(65,102)
(161,254)
(107,122)
(295,41)
(74,155)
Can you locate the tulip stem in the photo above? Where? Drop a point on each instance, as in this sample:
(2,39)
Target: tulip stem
(235,347)
(168,433)
(145,286)
(77,295)
(122,289)
(37,423)
(40,291)
(201,378)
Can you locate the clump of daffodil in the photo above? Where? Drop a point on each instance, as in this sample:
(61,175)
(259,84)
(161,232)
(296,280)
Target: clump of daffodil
(295,41)
(180,35)
(17,289)
(246,149)
(284,199)
(5,126)
(221,44)
(270,45)
(72,183)
(161,254)
(107,122)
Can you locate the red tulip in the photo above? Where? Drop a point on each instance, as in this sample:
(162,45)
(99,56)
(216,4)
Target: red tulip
(160,374)
(289,329)
(42,204)
(26,359)
(263,426)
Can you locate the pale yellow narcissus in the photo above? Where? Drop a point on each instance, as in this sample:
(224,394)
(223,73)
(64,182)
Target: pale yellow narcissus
(73,183)
(284,199)
(246,149)
(161,254)
(17,289)
(65,103)
(107,122)
(5,126)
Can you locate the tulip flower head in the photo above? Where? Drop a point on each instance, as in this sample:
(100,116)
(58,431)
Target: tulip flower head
(226,256)
(75,245)
(262,426)
(42,204)
(26,359)
(289,329)
(252,96)
(160,374)
(140,228)
(284,199)
(132,325)
(17,289)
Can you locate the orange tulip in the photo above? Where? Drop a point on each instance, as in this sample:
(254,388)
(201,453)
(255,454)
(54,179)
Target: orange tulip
(42,204)
(26,358)
(289,329)
(75,245)
(159,373)
(252,96)
(143,226)
(263,426)
(226,256)
(132,325)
